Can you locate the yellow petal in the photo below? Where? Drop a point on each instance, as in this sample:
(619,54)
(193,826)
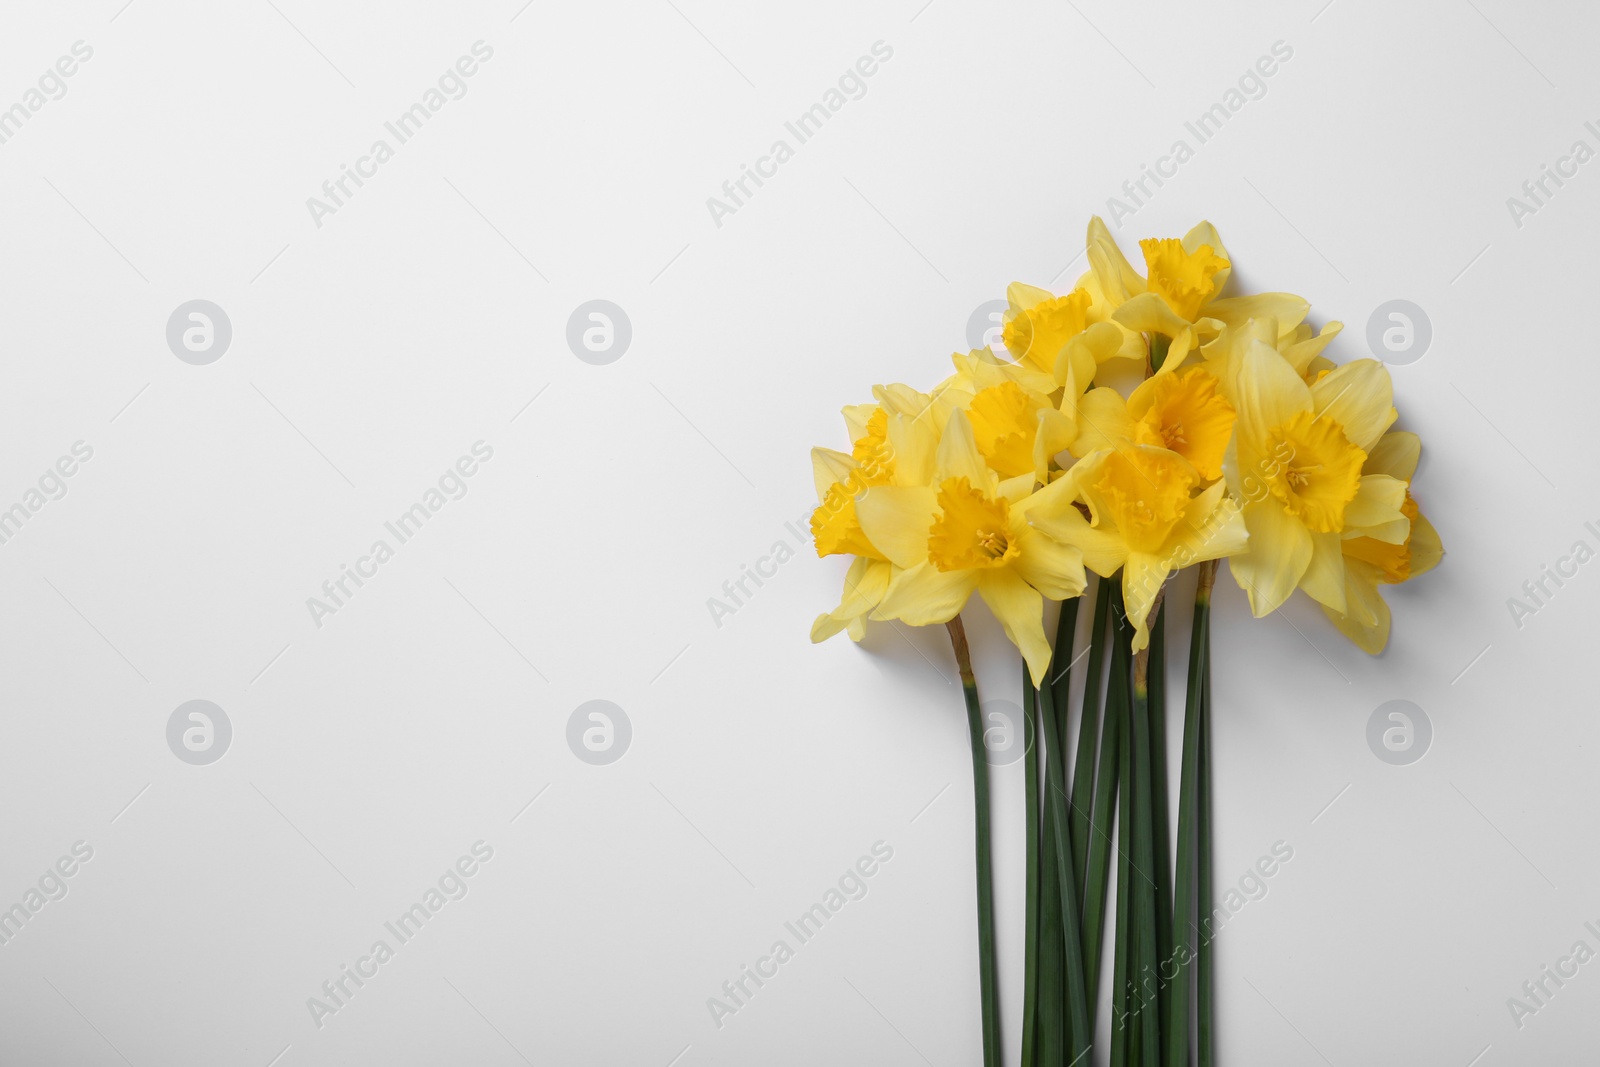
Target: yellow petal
(1050,566)
(1377,504)
(856,417)
(1213,528)
(1324,578)
(864,586)
(1302,352)
(1426,548)
(828,467)
(1113,274)
(1279,553)
(1148,313)
(1359,396)
(1366,622)
(1288,309)
(897,519)
(926,596)
(958,455)
(1021,296)
(1020,609)
(1103,422)
(1103,551)
(1267,392)
(1396,454)
(913,443)
(1142,578)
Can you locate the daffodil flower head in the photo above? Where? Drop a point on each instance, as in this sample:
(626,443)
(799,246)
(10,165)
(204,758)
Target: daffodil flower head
(1183,412)
(1182,299)
(1295,467)
(834,527)
(1372,557)
(889,449)
(1038,323)
(1143,518)
(1186,280)
(1017,430)
(966,531)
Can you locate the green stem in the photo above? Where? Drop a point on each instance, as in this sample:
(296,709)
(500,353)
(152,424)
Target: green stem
(1188,795)
(1097,868)
(988,977)
(1031,945)
(1123,1018)
(1050,1043)
(1144,889)
(1160,812)
(1083,779)
(1079,1034)
(1204,985)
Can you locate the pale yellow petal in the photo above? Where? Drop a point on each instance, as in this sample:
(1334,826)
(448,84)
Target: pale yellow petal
(1052,512)
(1103,422)
(1324,578)
(1022,296)
(1142,578)
(1279,553)
(1289,310)
(856,417)
(1359,396)
(914,443)
(958,455)
(1426,548)
(896,519)
(926,596)
(1300,354)
(1396,454)
(1050,566)
(1366,622)
(1377,505)
(1020,609)
(1267,392)
(1213,528)
(827,467)
(1148,313)
(864,585)
(1113,274)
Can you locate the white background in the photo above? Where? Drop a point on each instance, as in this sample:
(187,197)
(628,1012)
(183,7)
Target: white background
(372,351)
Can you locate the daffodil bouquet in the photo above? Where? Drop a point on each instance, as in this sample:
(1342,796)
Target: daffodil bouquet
(1138,425)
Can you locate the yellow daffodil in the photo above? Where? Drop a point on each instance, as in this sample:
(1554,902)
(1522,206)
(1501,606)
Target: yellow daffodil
(1180,296)
(889,449)
(1302,347)
(1038,324)
(1370,561)
(1143,518)
(1295,467)
(964,531)
(1182,412)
